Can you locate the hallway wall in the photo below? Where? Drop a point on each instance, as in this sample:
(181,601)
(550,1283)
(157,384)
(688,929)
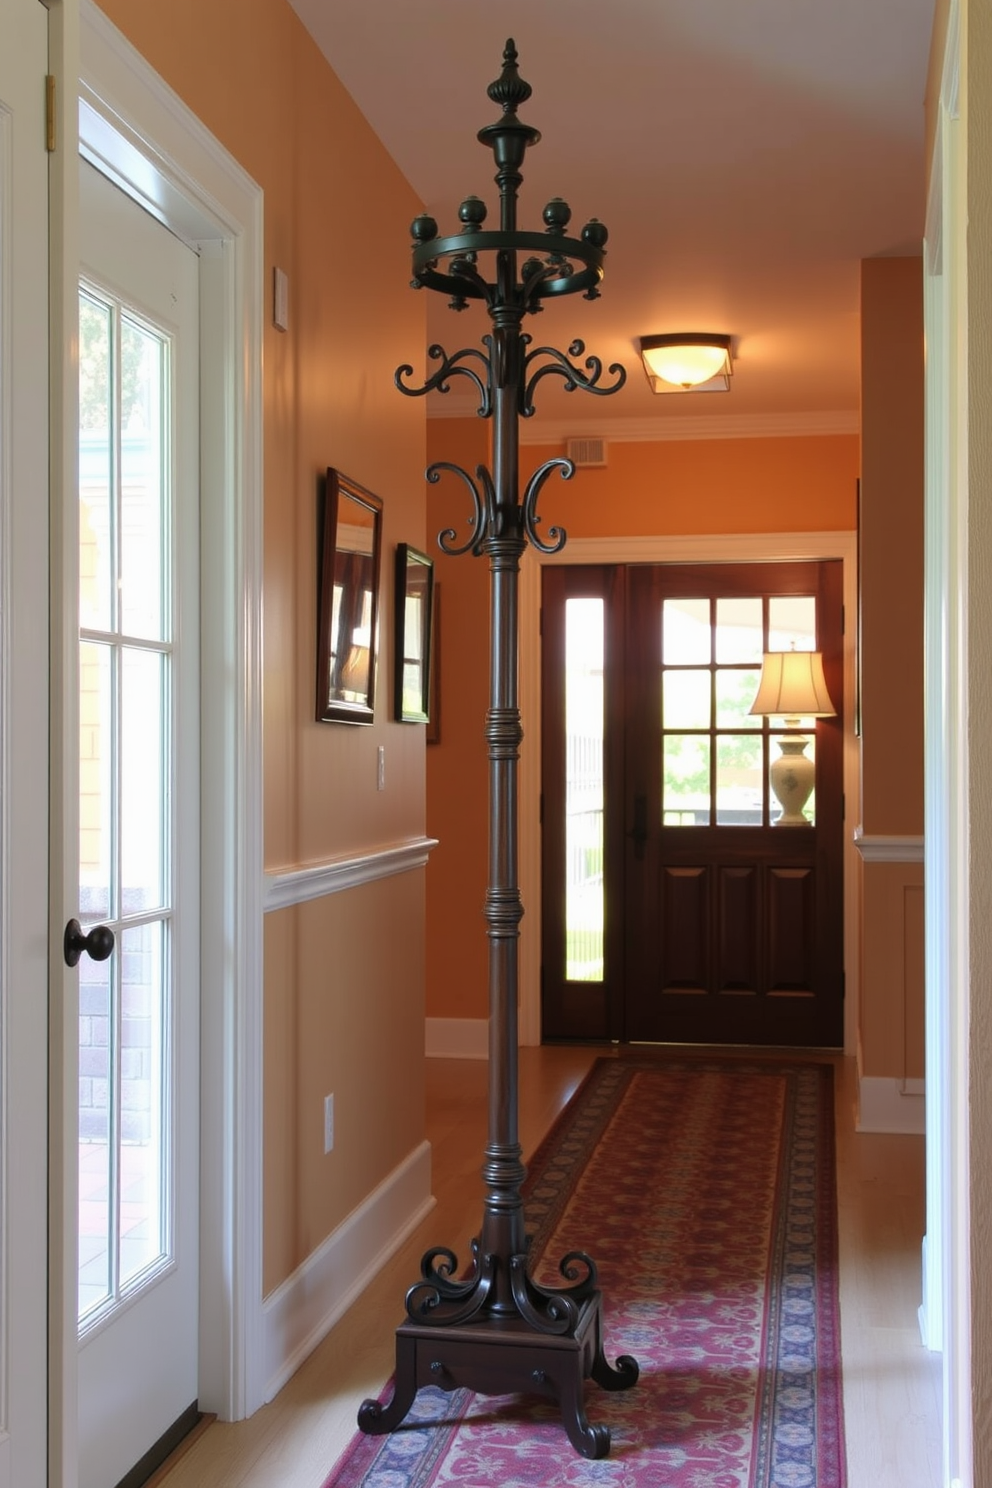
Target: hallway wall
(891,1048)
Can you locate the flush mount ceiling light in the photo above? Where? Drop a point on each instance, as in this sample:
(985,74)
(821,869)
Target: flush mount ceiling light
(687,362)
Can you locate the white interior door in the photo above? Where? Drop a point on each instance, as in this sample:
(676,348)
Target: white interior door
(138,833)
(23,744)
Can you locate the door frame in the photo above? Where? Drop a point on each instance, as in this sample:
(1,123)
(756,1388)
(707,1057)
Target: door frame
(135,129)
(946,1307)
(758,547)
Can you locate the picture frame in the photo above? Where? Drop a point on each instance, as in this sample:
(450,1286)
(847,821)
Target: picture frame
(412,654)
(349,550)
(434,721)
(857,638)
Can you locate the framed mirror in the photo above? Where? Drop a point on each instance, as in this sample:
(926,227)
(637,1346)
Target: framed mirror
(413,611)
(347,601)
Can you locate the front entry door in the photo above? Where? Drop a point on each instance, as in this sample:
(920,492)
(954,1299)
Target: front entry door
(676,908)
(138,841)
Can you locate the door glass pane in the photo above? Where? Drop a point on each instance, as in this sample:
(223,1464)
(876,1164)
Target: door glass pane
(792,622)
(95,1172)
(686,700)
(142,781)
(738,780)
(96,744)
(685,627)
(125,804)
(738,630)
(143,477)
(142,1238)
(685,798)
(735,692)
(96,465)
(584,711)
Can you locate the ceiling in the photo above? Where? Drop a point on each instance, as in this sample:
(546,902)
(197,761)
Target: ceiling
(745,158)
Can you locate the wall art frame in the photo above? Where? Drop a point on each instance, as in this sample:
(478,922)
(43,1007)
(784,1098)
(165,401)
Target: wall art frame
(434,721)
(348,563)
(412,656)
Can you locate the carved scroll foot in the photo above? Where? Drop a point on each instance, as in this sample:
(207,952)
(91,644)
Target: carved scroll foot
(621,1377)
(590,1441)
(375,1418)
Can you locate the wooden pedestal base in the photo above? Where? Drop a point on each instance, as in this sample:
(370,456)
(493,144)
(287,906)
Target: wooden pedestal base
(496,1355)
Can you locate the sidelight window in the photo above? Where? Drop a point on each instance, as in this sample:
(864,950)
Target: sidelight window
(584,718)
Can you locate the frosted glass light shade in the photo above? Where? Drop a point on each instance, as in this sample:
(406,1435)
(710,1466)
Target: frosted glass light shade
(792,686)
(687,360)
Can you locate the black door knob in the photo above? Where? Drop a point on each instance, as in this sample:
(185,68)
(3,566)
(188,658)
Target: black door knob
(98,944)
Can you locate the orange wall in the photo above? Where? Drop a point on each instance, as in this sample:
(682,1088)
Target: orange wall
(457,766)
(892,546)
(341,1014)
(721,486)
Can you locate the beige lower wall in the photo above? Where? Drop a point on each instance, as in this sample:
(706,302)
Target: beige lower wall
(344,1015)
(891,1025)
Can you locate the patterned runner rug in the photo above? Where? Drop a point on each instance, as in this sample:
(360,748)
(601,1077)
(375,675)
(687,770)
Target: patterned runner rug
(704,1189)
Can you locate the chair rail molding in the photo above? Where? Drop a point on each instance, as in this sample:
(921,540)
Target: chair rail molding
(881,849)
(290,886)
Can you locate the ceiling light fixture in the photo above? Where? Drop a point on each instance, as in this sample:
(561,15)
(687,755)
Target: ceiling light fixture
(688,362)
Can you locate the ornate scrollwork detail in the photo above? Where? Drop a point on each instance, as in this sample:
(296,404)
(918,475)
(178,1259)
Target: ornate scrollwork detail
(483,517)
(546,1309)
(439,1265)
(441,1302)
(560,365)
(557,535)
(453,366)
(580,1269)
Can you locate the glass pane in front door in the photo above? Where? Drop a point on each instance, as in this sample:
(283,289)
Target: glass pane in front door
(716,755)
(125,808)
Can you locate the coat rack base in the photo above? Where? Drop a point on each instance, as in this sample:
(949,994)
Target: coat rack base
(503,1355)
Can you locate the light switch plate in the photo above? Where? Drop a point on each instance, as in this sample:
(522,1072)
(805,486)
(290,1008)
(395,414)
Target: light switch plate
(280,300)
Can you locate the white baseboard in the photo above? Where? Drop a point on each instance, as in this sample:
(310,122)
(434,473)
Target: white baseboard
(457,1038)
(300,1312)
(886,1105)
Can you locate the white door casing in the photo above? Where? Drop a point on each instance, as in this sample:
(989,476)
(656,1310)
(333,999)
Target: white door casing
(139,133)
(946,1310)
(23,745)
(719,548)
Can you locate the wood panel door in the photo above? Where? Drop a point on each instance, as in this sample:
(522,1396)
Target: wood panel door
(709,922)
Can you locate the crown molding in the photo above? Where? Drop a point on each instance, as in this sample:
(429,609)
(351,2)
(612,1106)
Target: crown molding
(661,427)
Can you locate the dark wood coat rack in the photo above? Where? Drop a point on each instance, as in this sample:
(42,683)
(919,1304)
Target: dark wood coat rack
(497,1330)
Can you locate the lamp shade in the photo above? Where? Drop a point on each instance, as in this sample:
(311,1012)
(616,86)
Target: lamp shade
(792,686)
(687,361)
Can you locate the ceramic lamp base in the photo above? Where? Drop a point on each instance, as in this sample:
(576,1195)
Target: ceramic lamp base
(792,778)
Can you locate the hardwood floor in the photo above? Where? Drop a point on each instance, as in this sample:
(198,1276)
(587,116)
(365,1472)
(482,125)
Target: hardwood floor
(891,1383)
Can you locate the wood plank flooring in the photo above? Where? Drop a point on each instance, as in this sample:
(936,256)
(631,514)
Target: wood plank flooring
(891,1383)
